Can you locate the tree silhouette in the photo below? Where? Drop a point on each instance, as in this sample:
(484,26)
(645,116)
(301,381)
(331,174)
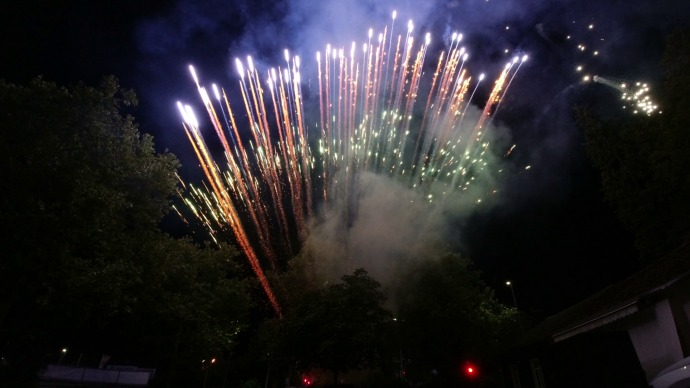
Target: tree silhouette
(644,160)
(88,267)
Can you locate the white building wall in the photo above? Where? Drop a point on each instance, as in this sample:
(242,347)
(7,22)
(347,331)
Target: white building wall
(656,341)
(683,322)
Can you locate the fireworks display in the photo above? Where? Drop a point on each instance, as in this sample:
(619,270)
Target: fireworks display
(381,107)
(635,95)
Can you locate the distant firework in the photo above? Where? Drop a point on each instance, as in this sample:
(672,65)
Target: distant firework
(379,112)
(635,95)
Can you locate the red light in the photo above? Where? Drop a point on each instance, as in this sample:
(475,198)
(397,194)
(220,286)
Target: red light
(470,370)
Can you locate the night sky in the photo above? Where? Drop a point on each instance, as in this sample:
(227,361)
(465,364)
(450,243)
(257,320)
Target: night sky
(550,232)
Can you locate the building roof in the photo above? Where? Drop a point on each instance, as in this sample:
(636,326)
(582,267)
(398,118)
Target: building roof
(615,301)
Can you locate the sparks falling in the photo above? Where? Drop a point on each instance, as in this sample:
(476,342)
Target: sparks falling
(635,95)
(380,110)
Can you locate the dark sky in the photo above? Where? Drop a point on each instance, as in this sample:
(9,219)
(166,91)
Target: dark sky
(551,233)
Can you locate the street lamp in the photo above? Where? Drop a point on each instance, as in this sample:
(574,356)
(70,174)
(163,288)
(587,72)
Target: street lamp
(402,368)
(62,355)
(512,291)
(205,367)
(510,285)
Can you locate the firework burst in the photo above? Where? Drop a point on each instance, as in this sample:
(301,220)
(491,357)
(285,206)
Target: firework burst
(635,95)
(381,110)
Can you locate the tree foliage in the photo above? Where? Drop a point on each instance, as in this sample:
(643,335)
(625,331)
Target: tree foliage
(447,313)
(345,321)
(88,267)
(644,160)
(337,327)
(444,313)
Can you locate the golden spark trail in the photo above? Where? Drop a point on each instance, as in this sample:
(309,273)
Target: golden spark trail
(255,213)
(229,209)
(297,193)
(242,175)
(284,153)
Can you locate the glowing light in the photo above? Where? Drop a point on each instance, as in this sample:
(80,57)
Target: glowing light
(216,93)
(636,96)
(194,77)
(240,67)
(250,64)
(265,191)
(470,370)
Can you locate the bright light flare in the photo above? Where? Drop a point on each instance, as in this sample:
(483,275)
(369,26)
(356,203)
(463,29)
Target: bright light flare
(240,67)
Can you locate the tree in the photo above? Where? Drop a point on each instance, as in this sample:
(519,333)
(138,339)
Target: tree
(83,195)
(348,318)
(337,327)
(644,160)
(447,313)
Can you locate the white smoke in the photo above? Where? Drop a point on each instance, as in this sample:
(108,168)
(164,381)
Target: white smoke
(391,224)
